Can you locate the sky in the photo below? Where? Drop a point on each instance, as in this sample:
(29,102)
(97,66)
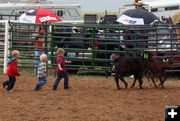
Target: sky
(102,5)
(91,5)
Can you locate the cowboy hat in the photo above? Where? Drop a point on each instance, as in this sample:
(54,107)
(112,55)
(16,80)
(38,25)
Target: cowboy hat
(139,3)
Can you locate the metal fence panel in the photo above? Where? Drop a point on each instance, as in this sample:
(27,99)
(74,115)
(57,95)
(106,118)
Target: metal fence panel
(92,46)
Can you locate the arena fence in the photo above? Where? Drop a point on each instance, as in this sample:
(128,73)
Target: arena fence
(91,46)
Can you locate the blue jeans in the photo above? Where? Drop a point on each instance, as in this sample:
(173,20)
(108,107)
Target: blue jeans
(41,81)
(10,83)
(59,77)
(37,54)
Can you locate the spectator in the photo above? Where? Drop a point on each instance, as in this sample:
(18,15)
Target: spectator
(39,44)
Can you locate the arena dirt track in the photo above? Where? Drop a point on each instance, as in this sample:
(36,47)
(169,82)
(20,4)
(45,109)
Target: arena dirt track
(88,99)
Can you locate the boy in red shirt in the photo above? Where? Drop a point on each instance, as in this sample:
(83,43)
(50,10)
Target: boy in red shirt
(61,70)
(12,71)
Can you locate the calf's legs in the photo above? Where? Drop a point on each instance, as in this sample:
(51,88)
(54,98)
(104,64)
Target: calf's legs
(140,82)
(122,79)
(134,82)
(125,83)
(117,82)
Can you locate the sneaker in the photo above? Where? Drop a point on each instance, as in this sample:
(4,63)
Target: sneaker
(67,87)
(3,84)
(38,87)
(54,88)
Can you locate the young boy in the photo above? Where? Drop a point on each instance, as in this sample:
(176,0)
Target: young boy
(41,74)
(12,71)
(61,70)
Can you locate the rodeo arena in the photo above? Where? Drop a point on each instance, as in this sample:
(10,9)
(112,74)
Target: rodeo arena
(97,59)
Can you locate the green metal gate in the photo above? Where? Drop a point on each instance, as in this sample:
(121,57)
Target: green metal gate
(82,48)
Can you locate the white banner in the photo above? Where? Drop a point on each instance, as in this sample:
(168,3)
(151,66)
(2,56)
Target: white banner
(27,19)
(130,21)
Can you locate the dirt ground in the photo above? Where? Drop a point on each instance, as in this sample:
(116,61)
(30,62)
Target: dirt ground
(89,99)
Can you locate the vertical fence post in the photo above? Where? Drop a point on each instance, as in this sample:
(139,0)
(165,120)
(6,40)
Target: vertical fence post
(93,44)
(6,37)
(171,41)
(52,44)
(11,39)
(46,39)
(135,44)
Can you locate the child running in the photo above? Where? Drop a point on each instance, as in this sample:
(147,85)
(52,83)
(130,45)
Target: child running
(12,71)
(61,70)
(41,74)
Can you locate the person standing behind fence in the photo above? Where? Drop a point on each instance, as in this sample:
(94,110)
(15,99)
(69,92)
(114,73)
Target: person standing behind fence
(115,55)
(42,72)
(38,44)
(61,70)
(12,71)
